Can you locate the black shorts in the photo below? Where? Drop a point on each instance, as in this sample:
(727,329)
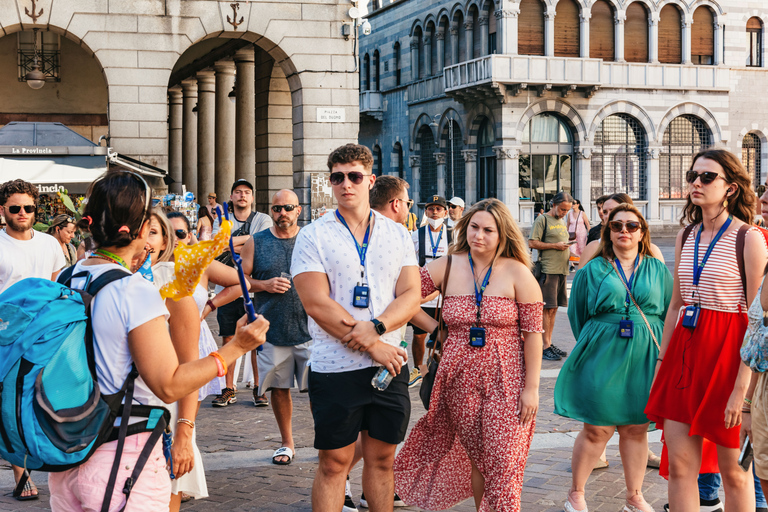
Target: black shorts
(430,312)
(553,290)
(344,404)
(228,315)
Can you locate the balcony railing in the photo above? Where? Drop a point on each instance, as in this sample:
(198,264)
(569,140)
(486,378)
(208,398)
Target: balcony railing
(426,89)
(370,104)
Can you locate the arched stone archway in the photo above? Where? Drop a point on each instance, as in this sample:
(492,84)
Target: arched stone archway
(694,109)
(559,107)
(623,107)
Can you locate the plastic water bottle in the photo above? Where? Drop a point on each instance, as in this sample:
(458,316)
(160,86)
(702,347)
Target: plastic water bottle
(382,378)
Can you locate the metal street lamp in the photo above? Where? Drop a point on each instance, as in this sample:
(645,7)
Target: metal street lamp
(35,78)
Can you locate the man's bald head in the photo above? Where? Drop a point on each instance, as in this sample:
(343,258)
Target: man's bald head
(283,218)
(285,196)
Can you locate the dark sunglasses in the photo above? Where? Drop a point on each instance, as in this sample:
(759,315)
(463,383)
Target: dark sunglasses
(181,234)
(705,177)
(28,208)
(408,202)
(453,206)
(288,207)
(617,226)
(337,178)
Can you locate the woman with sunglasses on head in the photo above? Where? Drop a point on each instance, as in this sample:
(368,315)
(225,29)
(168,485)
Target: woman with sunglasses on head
(63,228)
(129,328)
(606,380)
(700,384)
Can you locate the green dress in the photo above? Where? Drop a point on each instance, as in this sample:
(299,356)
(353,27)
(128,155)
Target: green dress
(607,378)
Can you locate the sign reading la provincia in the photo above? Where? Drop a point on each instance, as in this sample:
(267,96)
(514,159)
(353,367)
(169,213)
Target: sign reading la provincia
(31,151)
(50,189)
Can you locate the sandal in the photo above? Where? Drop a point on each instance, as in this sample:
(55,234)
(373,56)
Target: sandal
(30,487)
(283,451)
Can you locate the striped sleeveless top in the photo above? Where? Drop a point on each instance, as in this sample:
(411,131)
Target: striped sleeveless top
(720,285)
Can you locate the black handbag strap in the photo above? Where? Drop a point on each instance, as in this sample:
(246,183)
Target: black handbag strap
(439,311)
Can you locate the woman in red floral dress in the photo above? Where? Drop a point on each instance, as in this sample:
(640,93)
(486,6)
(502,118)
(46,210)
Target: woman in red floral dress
(474,440)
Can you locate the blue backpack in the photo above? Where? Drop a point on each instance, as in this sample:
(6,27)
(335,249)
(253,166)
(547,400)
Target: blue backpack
(53,415)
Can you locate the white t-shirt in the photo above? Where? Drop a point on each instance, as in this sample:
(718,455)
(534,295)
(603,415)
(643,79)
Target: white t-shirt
(327,246)
(119,308)
(39,256)
(442,250)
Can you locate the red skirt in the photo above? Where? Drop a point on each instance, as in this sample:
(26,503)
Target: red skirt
(697,376)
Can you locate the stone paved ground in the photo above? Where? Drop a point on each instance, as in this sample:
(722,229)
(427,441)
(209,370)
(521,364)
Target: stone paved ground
(251,483)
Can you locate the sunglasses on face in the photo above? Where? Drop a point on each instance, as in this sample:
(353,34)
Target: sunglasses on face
(453,206)
(337,178)
(181,234)
(28,208)
(408,202)
(288,207)
(705,177)
(617,226)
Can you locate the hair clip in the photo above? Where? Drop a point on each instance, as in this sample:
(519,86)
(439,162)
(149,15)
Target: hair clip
(89,219)
(124,229)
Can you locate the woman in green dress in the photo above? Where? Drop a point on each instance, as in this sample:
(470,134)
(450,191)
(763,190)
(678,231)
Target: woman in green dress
(606,380)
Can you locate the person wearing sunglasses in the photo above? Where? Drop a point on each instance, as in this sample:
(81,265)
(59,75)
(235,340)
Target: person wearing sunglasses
(606,380)
(455,211)
(698,395)
(62,228)
(356,274)
(24,253)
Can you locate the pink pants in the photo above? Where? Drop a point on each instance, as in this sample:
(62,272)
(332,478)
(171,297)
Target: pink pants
(81,489)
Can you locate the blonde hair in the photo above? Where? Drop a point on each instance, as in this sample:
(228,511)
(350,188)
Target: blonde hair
(511,241)
(169,237)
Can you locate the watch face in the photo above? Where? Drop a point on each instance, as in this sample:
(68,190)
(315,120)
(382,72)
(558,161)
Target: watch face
(380,329)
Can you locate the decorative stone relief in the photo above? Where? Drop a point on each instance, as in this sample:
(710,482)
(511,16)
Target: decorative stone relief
(415,160)
(585,153)
(654,153)
(470,155)
(440,158)
(506,152)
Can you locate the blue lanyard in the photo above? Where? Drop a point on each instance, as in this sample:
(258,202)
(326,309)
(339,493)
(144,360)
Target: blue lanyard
(699,268)
(624,276)
(479,293)
(435,246)
(361,250)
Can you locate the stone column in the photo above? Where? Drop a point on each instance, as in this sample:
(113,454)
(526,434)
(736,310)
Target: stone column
(440,160)
(652,184)
(686,24)
(506,30)
(454,44)
(469,33)
(483,21)
(175,112)
(584,33)
(440,51)
(549,36)
(582,188)
(718,43)
(427,55)
(653,37)
(508,178)
(470,175)
(245,116)
(225,127)
(189,139)
(206,134)
(619,20)
(415,162)
(414,58)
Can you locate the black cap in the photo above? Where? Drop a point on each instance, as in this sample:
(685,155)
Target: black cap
(438,200)
(239,182)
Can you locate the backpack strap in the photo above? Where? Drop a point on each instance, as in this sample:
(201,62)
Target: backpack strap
(422,244)
(741,239)
(687,233)
(65,276)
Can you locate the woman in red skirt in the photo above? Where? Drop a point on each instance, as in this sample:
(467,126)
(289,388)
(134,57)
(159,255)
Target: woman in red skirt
(700,385)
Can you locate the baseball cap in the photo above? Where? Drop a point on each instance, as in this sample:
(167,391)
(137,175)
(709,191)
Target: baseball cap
(239,182)
(456,201)
(438,200)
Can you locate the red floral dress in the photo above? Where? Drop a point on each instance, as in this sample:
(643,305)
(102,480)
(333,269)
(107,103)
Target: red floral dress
(474,410)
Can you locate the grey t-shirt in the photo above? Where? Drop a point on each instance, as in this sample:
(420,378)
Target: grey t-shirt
(288,323)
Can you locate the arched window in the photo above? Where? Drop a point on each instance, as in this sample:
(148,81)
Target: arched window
(428,171)
(396,51)
(703,36)
(431,34)
(377,163)
(567,29)
(462,35)
(366,73)
(446,34)
(755,42)
(477,46)
(397,159)
(376,71)
(636,33)
(618,163)
(546,162)
(685,136)
(530,31)
(454,161)
(750,157)
(602,41)
(486,161)
(670,35)
(419,35)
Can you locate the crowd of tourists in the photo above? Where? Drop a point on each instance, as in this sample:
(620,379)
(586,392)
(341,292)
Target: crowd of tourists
(654,349)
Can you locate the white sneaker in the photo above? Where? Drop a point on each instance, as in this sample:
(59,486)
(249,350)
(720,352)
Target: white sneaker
(349,504)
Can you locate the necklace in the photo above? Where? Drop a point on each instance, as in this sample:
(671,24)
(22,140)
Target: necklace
(106,255)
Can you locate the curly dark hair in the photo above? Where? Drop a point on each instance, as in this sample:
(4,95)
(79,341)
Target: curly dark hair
(9,188)
(349,153)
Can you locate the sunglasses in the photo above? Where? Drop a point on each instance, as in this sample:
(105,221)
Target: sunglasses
(617,226)
(287,207)
(181,234)
(705,177)
(453,206)
(356,177)
(408,202)
(28,208)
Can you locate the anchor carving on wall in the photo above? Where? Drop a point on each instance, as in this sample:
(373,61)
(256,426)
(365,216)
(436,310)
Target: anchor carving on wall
(232,21)
(32,14)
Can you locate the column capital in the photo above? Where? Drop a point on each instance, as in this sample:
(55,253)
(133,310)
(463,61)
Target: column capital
(718,25)
(653,18)
(439,158)
(620,18)
(440,34)
(454,31)
(175,95)
(686,24)
(506,152)
(246,54)
(205,81)
(585,16)
(469,25)
(224,67)
(414,160)
(414,42)
(189,86)
(654,153)
(427,41)
(482,20)
(470,155)
(584,153)
(506,13)
(549,15)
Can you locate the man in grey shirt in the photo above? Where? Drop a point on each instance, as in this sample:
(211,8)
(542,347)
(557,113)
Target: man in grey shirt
(283,361)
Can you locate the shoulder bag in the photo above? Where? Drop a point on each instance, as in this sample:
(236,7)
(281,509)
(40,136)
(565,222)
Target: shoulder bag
(428,380)
(648,325)
(537,273)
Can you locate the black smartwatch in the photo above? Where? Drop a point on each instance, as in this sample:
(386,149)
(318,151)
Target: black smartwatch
(380,329)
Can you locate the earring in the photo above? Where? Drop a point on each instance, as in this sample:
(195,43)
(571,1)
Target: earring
(725,203)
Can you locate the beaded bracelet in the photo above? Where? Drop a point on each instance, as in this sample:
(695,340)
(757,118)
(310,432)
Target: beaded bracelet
(220,363)
(189,423)
(747,401)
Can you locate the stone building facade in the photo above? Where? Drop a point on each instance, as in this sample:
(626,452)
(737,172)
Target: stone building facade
(518,99)
(157,79)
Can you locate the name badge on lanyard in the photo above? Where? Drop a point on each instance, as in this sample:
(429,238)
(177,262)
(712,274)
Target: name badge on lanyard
(627,326)
(477,333)
(361,293)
